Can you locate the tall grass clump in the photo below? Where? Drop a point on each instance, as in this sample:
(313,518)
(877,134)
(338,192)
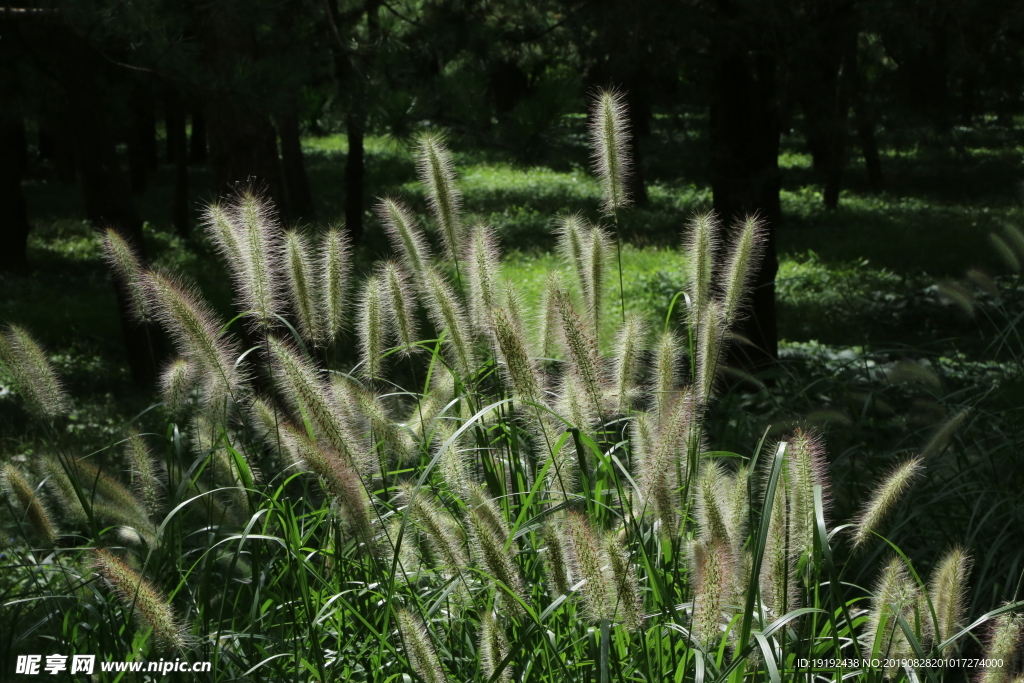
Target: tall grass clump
(400,478)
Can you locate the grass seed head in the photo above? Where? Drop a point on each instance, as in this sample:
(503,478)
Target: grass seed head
(948,590)
(401,307)
(437,174)
(176,383)
(151,609)
(610,140)
(406,236)
(373,326)
(886,496)
(556,562)
(744,256)
(418,647)
(588,563)
(701,248)
(629,345)
(30,507)
(333,270)
(127,268)
(807,468)
(628,602)
(144,472)
(483,273)
(257,231)
(301,285)
(33,375)
(713,569)
(1005,637)
(493,648)
(447,314)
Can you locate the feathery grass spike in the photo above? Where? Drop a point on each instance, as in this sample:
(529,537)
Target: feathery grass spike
(33,375)
(887,495)
(483,272)
(937,444)
(597,250)
(628,602)
(745,249)
(493,648)
(373,326)
(437,173)
(258,234)
(194,330)
(629,345)
(128,268)
(807,468)
(406,237)
(948,590)
(301,285)
(448,316)
(135,593)
(176,383)
(401,302)
(418,648)
(32,510)
(609,138)
(333,270)
(145,476)
(700,246)
(572,236)
(667,357)
(588,563)
(1004,640)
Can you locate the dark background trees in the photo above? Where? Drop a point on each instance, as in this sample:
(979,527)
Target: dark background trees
(105,94)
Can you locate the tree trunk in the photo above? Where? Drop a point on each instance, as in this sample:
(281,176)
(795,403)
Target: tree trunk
(14,225)
(354,177)
(300,201)
(143,156)
(176,120)
(197,149)
(745,173)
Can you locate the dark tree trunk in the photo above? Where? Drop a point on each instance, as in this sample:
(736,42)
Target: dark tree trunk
(243,147)
(864,120)
(355,171)
(300,201)
(143,156)
(745,171)
(174,123)
(176,120)
(197,149)
(56,145)
(14,225)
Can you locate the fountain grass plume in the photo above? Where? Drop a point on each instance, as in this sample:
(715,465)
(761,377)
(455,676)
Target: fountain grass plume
(151,609)
(713,572)
(518,368)
(712,510)
(489,537)
(628,605)
(629,346)
(127,267)
(454,464)
(33,375)
(313,402)
(62,491)
(548,324)
(893,593)
(400,306)
(301,285)
(483,274)
(937,444)
(339,478)
(807,467)
(1003,645)
(948,591)
(372,326)
(609,140)
(493,648)
(668,353)
(257,231)
(90,477)
(333,269)
(556,562)
(777,579)
(194,330)
(572,235)
(443,533)
(746,246)
(711,332)
(418,647)
(700,247)
(582,347)
(437,174)
(886,496)
(383,428)
(597,252)
(144,472)
(448,316)
(176,383)
(31,508)
(588,563)
(406,236)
